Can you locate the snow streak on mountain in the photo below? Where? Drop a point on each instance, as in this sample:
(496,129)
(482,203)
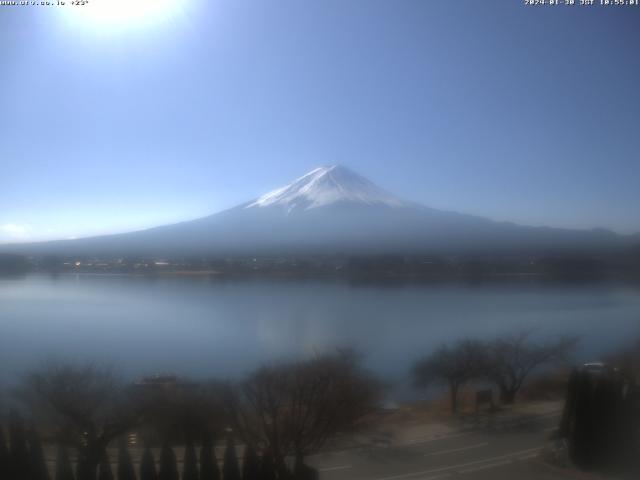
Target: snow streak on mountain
(326,186)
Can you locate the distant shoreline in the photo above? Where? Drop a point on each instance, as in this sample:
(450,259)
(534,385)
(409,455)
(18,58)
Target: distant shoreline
(379,279)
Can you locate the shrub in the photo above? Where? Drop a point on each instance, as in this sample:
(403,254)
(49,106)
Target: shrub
(63,465)
(125,465)
(190,468)
(148,465)
(230,467)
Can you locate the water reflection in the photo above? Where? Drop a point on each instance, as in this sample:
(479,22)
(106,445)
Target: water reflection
(203,327)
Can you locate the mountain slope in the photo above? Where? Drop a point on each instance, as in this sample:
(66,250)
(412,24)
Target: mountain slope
(331,210)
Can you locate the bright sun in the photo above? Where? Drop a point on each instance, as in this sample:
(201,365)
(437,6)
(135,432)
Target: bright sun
(124,13)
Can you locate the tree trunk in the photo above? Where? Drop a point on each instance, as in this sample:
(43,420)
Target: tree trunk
(507,396)
(89,458)
(87,468)
(454,398)
(298,467)
(281,467)
(302,471)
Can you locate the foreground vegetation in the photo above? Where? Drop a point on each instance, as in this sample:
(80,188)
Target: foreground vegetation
(601,418)
(285,412)
(281,414)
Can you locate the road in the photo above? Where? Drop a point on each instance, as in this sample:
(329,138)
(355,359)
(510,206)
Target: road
(507,451)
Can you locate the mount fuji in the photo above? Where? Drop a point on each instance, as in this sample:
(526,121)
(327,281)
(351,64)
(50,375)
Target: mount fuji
(327,211)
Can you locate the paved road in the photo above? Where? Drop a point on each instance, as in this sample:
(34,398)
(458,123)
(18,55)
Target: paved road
(508,451)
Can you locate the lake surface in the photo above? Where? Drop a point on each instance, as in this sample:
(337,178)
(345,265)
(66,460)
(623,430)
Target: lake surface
(212,328)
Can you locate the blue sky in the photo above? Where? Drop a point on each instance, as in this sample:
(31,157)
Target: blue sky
(529,114)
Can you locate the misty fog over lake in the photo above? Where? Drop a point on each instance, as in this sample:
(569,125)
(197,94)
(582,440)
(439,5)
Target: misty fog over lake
(201,327)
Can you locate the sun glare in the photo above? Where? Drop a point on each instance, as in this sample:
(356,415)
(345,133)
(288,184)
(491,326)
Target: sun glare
(124,13)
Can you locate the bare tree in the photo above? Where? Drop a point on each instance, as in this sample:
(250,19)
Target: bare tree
(86,405)
(328,396)
(294,409)
(510,360)
(179,410)
(452,366)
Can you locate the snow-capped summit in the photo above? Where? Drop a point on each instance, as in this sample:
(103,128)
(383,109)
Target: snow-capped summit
(325,186)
